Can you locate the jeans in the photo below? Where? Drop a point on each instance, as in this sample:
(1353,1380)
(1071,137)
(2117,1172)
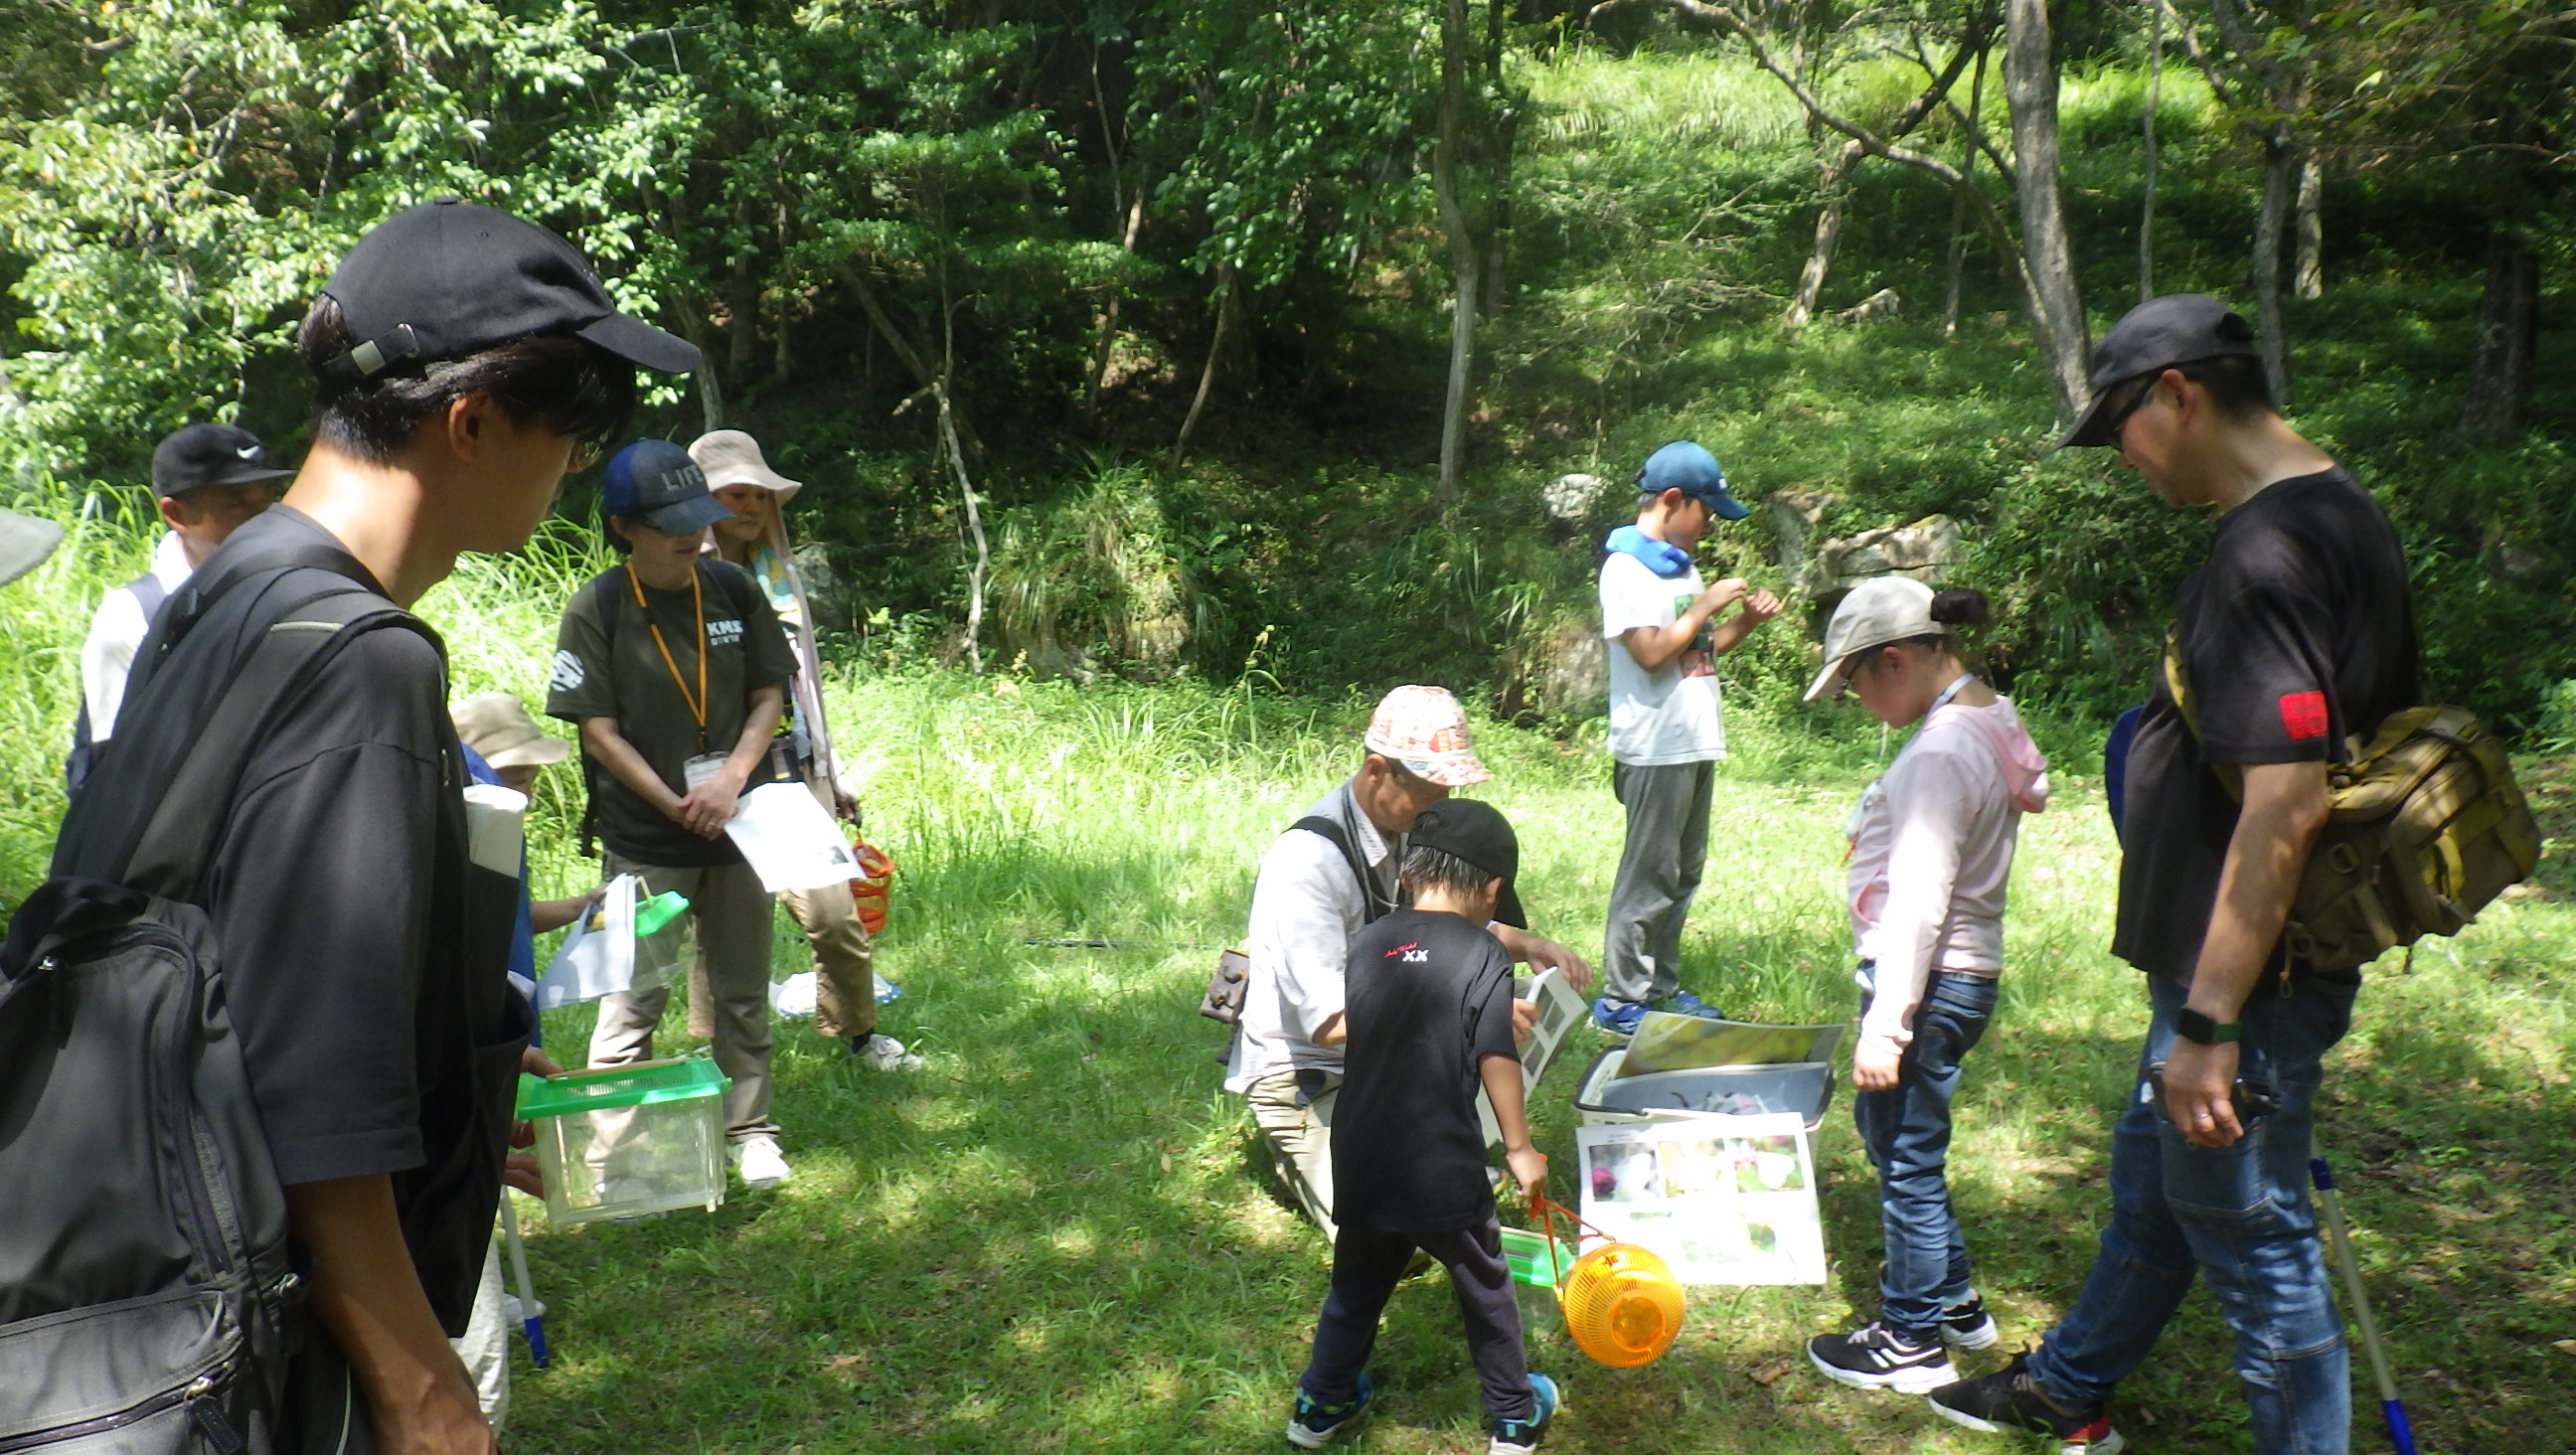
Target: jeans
(2241,1215)
(1366,1264)
(1907,1133)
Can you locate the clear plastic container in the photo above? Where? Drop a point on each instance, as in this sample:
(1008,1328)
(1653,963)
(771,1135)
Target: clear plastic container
(1607,1099)
(623,1141)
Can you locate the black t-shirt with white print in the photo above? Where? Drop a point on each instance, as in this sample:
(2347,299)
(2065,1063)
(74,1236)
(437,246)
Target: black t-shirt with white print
(2297,633)
(1430,995)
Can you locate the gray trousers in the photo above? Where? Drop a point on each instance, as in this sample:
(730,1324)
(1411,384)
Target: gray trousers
(1659,871)
(731,913)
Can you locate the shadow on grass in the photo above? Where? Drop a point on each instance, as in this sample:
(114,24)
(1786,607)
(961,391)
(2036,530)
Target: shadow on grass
(1060,1237)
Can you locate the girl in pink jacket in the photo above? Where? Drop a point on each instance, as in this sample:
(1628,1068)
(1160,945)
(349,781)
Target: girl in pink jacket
(1931,853)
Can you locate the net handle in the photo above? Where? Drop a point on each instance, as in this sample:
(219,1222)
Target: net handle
(1547,1208)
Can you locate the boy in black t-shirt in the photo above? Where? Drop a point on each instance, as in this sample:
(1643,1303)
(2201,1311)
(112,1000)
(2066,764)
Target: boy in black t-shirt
(1429,1020)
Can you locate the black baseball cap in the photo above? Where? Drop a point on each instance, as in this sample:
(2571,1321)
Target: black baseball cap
(198,455)
(1474,831)
(450,278)
(2179,328)
(656,479)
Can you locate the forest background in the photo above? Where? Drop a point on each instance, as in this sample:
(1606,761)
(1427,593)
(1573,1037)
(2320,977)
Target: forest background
(1139,322)
(1181,284)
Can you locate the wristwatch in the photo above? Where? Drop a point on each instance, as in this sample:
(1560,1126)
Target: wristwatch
(2191,1025)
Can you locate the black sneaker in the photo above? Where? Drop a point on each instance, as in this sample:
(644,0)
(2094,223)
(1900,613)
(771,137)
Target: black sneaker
(1968,1325)
(1519,1437)
(1875,1356)
(1316,1424)
(2007,1402)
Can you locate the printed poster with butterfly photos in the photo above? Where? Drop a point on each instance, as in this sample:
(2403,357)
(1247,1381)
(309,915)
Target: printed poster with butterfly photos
(1724,1200)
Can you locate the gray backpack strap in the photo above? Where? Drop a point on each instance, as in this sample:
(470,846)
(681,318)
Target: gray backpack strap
(171,853)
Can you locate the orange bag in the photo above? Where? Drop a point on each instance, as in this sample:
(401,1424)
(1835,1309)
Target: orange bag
(874,888)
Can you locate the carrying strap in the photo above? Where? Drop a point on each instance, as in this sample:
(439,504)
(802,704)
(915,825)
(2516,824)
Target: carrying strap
(1375,903)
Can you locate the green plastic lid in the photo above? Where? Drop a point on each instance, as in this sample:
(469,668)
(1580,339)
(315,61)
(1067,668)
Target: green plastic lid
(642,1084)
(1527,1255)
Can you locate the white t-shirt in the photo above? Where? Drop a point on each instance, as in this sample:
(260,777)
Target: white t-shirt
(1307,907)
(116,632)
(1669,715)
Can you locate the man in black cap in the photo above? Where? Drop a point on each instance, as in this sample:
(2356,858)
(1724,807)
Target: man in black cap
(465,361)
(209,478)
(2295,635)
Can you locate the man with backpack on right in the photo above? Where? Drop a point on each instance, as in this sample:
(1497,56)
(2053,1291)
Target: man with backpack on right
(2295,635)
(1330,875)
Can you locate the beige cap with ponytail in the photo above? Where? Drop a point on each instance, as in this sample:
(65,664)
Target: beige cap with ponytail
(1883,611)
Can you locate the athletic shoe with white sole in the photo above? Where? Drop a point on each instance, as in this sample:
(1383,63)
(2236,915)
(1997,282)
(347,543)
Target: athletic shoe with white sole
(1518,1437)
(2007,1402)
(1968,1325)
(881,1052)
(1317,1424)
(756,1158)
(1875,1356)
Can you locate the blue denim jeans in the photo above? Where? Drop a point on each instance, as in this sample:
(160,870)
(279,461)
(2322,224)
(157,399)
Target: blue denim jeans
(2239,1214)
(1907,1132)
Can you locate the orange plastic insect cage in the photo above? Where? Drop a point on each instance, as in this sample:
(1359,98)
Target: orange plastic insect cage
(873,890)
(1622,1304)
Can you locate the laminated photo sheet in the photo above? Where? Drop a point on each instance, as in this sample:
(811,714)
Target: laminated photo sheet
(1669,1042)
(1724,1200)
(1560,1010)
(598,954)
(789,839)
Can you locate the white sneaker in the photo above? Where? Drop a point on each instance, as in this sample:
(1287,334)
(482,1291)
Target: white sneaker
(756,1158)
(881,1052)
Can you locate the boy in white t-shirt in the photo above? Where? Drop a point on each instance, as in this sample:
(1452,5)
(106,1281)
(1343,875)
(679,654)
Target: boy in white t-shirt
(1665,733)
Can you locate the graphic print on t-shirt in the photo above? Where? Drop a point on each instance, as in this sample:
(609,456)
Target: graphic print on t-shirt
(1696,660)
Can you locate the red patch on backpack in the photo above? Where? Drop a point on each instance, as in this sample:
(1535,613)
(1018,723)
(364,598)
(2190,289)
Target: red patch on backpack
(2303,715)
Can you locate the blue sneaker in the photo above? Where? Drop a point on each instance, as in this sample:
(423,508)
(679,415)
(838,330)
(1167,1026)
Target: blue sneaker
(1618,1017)
(1682,1002)
(1518,1437)
(1316,1424)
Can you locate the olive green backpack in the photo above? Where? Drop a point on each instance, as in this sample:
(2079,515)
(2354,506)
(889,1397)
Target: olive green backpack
(2427,828)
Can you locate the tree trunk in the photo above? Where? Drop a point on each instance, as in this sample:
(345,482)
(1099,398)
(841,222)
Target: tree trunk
(742,321)
(2309,278)
(1834,181)
(1959,204)
(1463,262)
(1504,145)
(974,529)
(693,327)
(2280,183)
(1101,346)
(2030,88)
(2147,185)
(1207,372)
(2500,375)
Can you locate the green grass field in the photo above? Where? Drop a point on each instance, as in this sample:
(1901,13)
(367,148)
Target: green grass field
(1059,1236)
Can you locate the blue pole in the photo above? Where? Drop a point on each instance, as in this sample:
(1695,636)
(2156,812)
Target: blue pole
(2391,1408)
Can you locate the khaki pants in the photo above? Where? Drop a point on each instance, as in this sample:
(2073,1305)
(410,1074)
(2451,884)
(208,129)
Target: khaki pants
(845,977)
(1299,1135)
(730,984)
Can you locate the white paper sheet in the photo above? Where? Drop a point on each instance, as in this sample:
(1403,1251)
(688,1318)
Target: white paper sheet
(1560,1010)
(1724,1200)
(790,840)
(595,962)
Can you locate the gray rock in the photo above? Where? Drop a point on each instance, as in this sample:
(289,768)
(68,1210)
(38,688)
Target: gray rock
(1574,497)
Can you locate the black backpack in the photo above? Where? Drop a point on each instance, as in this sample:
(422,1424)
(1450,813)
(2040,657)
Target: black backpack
(83,759)
(148,1301)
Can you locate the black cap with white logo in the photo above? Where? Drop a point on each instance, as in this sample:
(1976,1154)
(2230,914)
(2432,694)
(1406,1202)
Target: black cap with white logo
(2179,328)
(449,278)
(198,455)
(1476,833)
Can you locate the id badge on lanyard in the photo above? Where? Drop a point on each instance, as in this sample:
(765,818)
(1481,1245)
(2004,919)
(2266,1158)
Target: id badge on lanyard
(701,768)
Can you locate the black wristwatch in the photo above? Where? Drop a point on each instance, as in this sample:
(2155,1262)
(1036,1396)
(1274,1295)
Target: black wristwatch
(2191,1025)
